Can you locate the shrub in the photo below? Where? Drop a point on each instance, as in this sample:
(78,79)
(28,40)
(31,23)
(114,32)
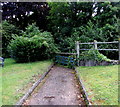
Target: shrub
(93,55)
(7,31)
(38,47)
(31,30)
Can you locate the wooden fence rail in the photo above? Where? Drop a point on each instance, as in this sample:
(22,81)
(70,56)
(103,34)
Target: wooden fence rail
(96,47)
(102,49)
(100,42)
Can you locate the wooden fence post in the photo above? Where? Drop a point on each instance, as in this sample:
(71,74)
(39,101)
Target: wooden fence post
(78,52)
(95,44)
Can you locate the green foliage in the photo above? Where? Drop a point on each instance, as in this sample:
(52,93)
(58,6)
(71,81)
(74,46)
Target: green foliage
(92,32)
(107,13)
(74,21)
(31,30)
(38,47)
(93,55)
(84,22)
(64,17)
(7,31)
(71,63)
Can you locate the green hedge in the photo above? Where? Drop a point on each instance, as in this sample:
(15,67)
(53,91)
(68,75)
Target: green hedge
(38,47)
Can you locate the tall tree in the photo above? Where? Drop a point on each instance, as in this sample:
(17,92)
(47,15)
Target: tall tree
(65,16)
(107,12)
(22,13)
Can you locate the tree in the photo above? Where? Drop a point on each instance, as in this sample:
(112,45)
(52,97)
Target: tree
(106,13)
(22,13)
(63,17)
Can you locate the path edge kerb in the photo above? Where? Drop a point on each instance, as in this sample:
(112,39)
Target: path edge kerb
(85,95)
(20,102)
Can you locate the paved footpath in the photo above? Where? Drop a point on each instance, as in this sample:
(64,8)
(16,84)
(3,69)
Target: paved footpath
(60,88)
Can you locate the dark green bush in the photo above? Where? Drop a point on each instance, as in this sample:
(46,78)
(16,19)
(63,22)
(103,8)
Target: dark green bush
(7,31)
(93,55)
(38,47)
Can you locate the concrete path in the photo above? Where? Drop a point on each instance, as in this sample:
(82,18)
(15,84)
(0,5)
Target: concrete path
(60,88)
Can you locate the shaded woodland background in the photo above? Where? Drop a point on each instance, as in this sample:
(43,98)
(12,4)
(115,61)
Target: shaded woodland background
(56,27)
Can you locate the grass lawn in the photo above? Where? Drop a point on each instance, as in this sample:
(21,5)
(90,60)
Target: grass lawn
(0,87)
(17,78)
(101,83)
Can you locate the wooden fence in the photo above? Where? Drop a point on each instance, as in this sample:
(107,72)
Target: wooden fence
(94,43)
(96,47)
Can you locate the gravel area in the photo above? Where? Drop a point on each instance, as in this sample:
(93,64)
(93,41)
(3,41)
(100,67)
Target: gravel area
(60,88)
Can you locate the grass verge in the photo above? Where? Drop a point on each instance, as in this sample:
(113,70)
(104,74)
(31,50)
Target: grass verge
(0,86)
(17,78)
(101,83)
